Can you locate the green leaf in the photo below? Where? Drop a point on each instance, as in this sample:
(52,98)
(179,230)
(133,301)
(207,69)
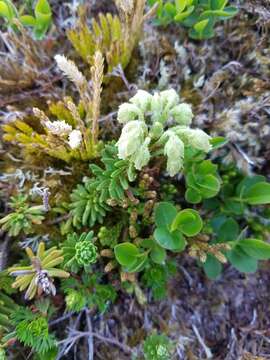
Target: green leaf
(230,12)
(170,240)
(169,9)
(241,261)
(210,186)
(247,183)
(180,5)
(43,7)
(188,221)
(218,4)
(164,214)
(228,231)
(126,253)
(139,264)
(27,20)
(206,167)
(218,142)
(180,16)
(158,254)
(201,25)
(192,196)
(5,10)
(212,267)
(255,248)
(258,194)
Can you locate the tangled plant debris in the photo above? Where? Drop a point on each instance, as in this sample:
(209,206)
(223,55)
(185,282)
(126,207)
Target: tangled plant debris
(134,208)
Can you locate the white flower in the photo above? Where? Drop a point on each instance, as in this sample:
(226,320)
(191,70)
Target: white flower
(197,138)
(58,127)
(142,99)
(200,140)
(128,112)
(162,103)
(131,139)
(142,156)
(169,98)
(174,150)
(75,139)
(182,114)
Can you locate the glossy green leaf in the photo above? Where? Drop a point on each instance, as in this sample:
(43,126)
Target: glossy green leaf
(218,142)
(43,7)
(255,248)
(218,4)
(188,221)
(164,214)
(27,20)
(210,186)
(126,253)
(258,194)
(158,254)
(139,263)
(180,16)
(228,230)
(212,267)
(201,25)
(192,196)
(241,261)
(7,10)
(170,240)
(180,5)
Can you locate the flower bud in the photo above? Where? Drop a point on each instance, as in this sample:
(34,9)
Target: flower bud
(142,156)
(174,150)
(182,114)
(169,98)
(200,140)
(128,112)
(156,130)
(197,138)
(142,99)
(131,139)
(75,139)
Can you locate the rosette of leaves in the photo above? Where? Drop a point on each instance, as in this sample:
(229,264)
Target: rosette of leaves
(86,205)
(158,125)
(24,216)
(157,347)
(79,251)
(199,16)
(113,181)
(38,277)
(40,22)
(89,291)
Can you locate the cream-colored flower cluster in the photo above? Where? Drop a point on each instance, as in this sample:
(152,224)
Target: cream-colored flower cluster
(161,122)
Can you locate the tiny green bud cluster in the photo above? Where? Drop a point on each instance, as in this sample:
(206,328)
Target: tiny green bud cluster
(158,125)
(86,253)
